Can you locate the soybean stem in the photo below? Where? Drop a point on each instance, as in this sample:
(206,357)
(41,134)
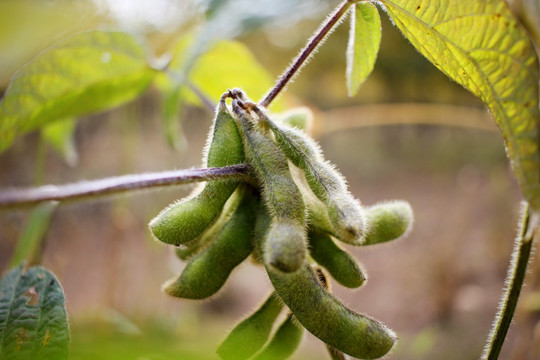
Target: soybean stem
(116,185)
(305,53)
(516,277)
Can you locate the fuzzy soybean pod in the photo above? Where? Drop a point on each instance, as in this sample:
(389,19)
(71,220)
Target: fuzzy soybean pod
(284,342)
(388,221)
(327,318)
(285,242)
(324,180)
(262,223)
(206,273)
(183,221)
(251,334)
(342,266)
(334,353)
(192,248)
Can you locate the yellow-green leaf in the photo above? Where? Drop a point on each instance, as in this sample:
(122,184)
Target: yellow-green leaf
(364,42)
(480,45)
(227,65)
(86,73)
(231,64)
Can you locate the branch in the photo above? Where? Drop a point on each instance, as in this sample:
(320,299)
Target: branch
(312,44)
(116,185)
(516,277)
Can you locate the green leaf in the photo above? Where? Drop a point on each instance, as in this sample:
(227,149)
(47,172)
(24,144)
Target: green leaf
(33,318)
(86,73)
(231,64)
(480,45)
(35,230)
(364,42)
(59,135)
(227,65)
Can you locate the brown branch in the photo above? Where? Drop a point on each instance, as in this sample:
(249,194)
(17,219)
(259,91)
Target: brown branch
(115,185)
(318,38)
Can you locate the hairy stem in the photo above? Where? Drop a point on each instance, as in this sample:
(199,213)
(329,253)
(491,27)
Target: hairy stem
(516,277)
(116,185)
(303,56)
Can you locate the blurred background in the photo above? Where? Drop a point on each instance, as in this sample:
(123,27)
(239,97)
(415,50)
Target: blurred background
(409,134)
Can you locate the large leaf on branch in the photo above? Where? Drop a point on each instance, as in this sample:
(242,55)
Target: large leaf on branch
(86,73)
(33,320)
(480,45)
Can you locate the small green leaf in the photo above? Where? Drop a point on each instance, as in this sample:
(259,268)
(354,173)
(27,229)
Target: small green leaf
(480,45)
(364,42)
(86,73)
(33,318)
(28,243)
(59,135)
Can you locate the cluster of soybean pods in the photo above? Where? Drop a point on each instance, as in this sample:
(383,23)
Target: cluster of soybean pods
(287,216)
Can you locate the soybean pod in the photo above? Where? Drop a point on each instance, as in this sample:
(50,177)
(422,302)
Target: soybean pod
(206,273)
(327,318)
(186,219)
(342,266)
(284,342)
(324,180)
(334,353)
(285,241)
(192,248)
(251,334)
(388,221)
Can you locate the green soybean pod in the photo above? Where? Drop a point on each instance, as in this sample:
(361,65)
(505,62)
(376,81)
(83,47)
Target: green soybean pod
(285,244)
(388,221)
(334,353)
(251,334)
(284,342)
(342,266)
(183,221)
(318,211)
(206,273)
(262,223)
(192,248)
(325,317)
(324,180)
